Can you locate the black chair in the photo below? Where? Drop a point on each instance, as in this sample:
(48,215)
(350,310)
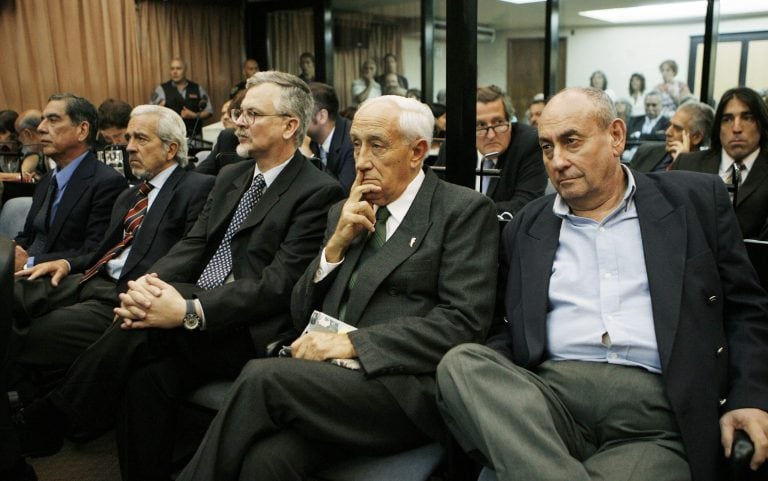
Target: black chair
(7,444)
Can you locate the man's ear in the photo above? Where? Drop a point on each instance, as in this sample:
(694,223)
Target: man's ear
(419,151)
(322,116)
(696,139)
(618,132)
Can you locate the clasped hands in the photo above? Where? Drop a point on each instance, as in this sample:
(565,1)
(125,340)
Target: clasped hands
(150,302)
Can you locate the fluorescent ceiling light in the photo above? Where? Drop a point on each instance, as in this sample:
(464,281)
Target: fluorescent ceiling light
(520,2)
(673,11)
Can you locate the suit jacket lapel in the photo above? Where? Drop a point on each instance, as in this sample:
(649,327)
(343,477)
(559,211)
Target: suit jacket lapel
(75,187)
(393,253)
(223,214)
(336,141)
(664,235)
(537,255)
(755,179)
(151,222)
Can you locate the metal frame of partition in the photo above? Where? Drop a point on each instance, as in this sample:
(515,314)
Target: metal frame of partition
(461,51)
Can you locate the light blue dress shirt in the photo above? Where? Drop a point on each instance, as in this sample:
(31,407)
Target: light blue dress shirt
(600,303)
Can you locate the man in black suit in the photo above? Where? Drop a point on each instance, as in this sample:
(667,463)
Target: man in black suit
(739,146)
(330,136)
(63,306)
(634,333)
(689,129)
(396,267)
(71,205)
(509,146)
(651,126)
(214,301)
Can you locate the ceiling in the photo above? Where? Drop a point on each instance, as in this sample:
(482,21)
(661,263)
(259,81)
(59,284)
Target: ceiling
(498,14)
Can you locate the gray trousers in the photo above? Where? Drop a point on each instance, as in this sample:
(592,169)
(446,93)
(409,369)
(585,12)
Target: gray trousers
(569,420)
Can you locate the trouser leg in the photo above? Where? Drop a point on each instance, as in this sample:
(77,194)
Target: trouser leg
(318,401)
(147,426)
(286,456)
(510,416)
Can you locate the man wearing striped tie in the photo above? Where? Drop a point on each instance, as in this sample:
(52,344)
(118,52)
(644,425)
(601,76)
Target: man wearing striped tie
(216,300)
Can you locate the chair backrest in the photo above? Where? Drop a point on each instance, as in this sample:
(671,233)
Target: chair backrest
(13,215)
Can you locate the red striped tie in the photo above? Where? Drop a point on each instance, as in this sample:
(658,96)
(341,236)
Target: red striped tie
(131,223)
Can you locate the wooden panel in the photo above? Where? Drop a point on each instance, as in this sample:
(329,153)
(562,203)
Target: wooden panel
(525,70)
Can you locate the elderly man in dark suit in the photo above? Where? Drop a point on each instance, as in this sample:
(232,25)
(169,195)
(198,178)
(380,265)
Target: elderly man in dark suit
(330,136)
(63,306)
(739,155)
(634,338)
(71,206)
(689,130)
(214,301)
(401,265)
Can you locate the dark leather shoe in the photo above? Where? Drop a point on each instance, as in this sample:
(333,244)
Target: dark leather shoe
(34,440)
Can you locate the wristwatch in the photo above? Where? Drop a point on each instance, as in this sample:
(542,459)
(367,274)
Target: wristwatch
(191,320)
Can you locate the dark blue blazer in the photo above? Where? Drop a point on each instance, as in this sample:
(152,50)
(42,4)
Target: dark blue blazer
(83,214)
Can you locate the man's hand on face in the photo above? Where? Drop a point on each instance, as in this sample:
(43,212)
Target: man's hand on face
(357,215)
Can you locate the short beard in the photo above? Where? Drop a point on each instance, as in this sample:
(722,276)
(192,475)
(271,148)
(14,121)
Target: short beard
(242,151)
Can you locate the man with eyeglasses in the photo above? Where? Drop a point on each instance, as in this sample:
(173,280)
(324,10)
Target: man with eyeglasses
(739,155)
(216,300)
(511,147)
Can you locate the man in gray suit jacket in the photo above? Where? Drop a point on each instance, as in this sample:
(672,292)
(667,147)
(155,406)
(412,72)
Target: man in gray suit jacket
(634,338)
(688,130)
(401,263)
(739,142)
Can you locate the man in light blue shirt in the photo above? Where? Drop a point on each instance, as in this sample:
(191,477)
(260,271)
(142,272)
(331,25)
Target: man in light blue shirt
(634,337)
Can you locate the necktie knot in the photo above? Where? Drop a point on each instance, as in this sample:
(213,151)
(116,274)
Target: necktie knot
(144,188)
(382,214)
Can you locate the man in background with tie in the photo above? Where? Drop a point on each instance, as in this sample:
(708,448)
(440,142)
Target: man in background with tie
(739,155)
(401,264)
(214,301)
(509,146)
(330,136)
(72,203)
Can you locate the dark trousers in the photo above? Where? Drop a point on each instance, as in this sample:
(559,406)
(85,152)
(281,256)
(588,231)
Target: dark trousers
(286,418)
(145,374)
(54,325)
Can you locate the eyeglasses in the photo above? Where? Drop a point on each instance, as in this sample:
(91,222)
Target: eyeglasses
(499,128)
(250,116)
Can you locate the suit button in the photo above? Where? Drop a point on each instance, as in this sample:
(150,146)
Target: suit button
(712,300)
(723,401)
(720,351)
(392,291)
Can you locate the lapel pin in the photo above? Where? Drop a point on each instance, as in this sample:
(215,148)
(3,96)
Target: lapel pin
(413,241)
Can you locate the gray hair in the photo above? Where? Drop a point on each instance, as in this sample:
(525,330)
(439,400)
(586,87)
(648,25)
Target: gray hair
(170,129)
(702,116)
(295,98)
(415,119)
(604,112)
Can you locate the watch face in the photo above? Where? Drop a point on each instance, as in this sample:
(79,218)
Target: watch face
(191,321)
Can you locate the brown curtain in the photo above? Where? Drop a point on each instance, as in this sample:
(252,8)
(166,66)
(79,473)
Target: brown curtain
(384,37)
(117,48)
(290,34)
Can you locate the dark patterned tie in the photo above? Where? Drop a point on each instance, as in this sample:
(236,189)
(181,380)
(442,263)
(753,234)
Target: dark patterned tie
(737,173)
(372,246)
(131,223)
(220,265)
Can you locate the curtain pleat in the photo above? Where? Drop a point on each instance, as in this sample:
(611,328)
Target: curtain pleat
(114,48)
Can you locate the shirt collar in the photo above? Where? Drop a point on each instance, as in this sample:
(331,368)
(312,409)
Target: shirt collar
(726,161)
(271,174)
(159,179)
(562,210)
(326,145)
(399,207)
(63,175)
